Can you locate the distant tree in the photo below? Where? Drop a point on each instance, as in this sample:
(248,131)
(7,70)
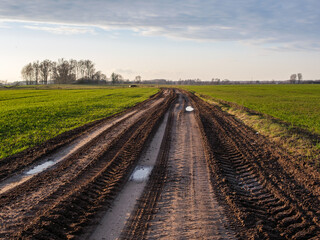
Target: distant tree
(300,77)
(81,68)
(293,78)
(99,77)
(89,69)
(120,78)
(63,72)
(137,79)
(116,78)
(36,69)
(27,73)
(45,70)
(113,78)
(74,66)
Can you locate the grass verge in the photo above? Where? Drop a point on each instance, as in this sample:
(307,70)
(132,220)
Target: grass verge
(301,143)
(29,117)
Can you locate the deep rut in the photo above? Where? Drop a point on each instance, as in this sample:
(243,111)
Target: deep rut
(261,196)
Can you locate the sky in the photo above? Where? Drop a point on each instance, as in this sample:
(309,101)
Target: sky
(181,39)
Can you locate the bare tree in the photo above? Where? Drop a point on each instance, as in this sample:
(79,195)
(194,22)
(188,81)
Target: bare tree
(36,69)
(27,73)
(137,79)
(293,78)
(300,77)
(81,68)
(75,69)
(45,70)
(116,78)
(89,69)
(62,72)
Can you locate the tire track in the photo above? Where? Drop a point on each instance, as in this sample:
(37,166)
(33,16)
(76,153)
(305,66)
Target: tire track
(263,197)
(66,209)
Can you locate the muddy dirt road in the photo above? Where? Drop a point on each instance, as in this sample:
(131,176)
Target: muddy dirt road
(186,206)
(173,167)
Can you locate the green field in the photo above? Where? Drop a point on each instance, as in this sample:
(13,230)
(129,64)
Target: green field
(298,105)
(31,116)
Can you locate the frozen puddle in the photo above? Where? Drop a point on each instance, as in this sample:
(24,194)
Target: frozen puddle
(25,176)
(189,109)
(40,168)
(141,173)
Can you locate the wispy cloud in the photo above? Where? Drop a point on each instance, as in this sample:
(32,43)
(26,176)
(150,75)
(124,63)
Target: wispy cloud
(3,24)
(61,29)
(255,21)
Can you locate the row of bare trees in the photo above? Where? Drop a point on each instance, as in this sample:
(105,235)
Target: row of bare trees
(61,72)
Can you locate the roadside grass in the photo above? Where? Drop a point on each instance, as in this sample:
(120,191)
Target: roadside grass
(288,114)
(295,104)
(30,116)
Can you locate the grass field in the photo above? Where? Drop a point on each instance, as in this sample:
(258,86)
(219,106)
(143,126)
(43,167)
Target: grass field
(296,104)
(30,116)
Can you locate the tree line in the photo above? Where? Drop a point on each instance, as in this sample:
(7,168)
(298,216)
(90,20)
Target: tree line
(62,72)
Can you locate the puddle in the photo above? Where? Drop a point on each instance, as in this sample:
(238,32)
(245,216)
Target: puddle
(21,178)
(189,109)
(55,158)
(141,173)
(41,167)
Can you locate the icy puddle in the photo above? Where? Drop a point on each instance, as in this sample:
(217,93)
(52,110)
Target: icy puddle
(26,175)
(141,173)
(40,168)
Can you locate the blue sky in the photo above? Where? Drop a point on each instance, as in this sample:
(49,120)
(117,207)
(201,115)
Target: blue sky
(233,39)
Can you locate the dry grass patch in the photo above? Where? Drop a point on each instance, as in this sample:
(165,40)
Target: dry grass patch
(304,147)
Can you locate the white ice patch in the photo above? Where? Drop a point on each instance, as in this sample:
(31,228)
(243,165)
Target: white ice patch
(189,109)
(141,173)
(41,167)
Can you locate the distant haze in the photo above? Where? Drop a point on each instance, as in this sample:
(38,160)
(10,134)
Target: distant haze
(183,39)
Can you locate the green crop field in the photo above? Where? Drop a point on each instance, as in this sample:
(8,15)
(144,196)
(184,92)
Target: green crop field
(31,116)
(297,104)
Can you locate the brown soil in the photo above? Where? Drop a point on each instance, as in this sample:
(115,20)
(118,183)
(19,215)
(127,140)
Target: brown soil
(214,178)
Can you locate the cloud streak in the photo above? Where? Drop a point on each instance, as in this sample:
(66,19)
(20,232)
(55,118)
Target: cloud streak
(253,21)
(62,29)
